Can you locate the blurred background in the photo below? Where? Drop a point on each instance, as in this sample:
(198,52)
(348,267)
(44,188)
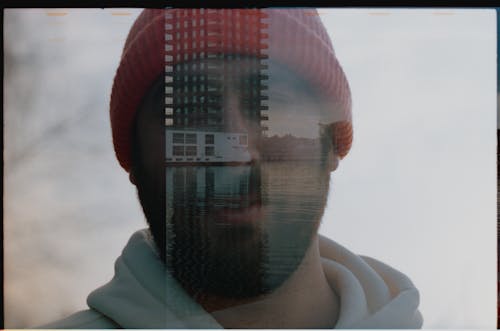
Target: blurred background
(417,190)
(69,208)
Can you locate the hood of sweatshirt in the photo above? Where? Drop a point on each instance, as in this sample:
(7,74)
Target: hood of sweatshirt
(142,294)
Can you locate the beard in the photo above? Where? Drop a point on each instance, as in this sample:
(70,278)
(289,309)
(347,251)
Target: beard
(206,252)
(210,254)
(214,262)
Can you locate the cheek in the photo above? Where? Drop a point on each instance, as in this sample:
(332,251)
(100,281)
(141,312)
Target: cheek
(152,145)
(295,188)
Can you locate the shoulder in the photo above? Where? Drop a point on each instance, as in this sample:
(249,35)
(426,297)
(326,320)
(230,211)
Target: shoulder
(85,319)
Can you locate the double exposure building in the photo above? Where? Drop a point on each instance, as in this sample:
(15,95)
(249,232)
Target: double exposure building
(203,143)
(198,74)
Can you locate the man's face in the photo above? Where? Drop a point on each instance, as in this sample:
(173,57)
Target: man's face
(245,190)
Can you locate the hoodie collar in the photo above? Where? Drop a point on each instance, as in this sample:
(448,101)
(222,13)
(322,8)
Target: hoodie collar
(372,294)
(141,287)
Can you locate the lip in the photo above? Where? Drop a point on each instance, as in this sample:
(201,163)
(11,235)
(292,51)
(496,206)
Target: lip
(245,215)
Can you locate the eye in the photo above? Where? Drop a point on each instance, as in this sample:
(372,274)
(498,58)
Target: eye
(281,95)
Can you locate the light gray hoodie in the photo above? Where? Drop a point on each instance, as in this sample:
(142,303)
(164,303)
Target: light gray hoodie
(143,295)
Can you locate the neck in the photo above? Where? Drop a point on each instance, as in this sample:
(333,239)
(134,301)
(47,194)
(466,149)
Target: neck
(305,300)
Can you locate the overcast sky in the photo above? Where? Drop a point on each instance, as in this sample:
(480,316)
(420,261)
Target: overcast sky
(418,189)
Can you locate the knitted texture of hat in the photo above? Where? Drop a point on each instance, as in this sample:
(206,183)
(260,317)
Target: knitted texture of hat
(296,37)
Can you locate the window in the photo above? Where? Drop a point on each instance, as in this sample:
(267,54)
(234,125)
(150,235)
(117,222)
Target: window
(178,137)
(209,139)
(178,150)
(191,138)
(190,150)
(243,140)
(209,150)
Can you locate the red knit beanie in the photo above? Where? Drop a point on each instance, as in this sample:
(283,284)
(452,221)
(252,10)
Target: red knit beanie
(295,37)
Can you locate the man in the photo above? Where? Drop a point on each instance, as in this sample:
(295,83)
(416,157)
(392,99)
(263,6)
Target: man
(229,123)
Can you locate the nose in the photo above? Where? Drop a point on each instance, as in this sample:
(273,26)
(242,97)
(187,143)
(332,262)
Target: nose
(234,120)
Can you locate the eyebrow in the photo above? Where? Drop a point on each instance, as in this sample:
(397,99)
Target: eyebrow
(276,77)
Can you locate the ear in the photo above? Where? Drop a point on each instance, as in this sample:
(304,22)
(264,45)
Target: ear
(334,162)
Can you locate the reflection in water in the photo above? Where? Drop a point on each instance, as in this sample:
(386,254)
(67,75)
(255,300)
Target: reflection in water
(240,231)
(207,251)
